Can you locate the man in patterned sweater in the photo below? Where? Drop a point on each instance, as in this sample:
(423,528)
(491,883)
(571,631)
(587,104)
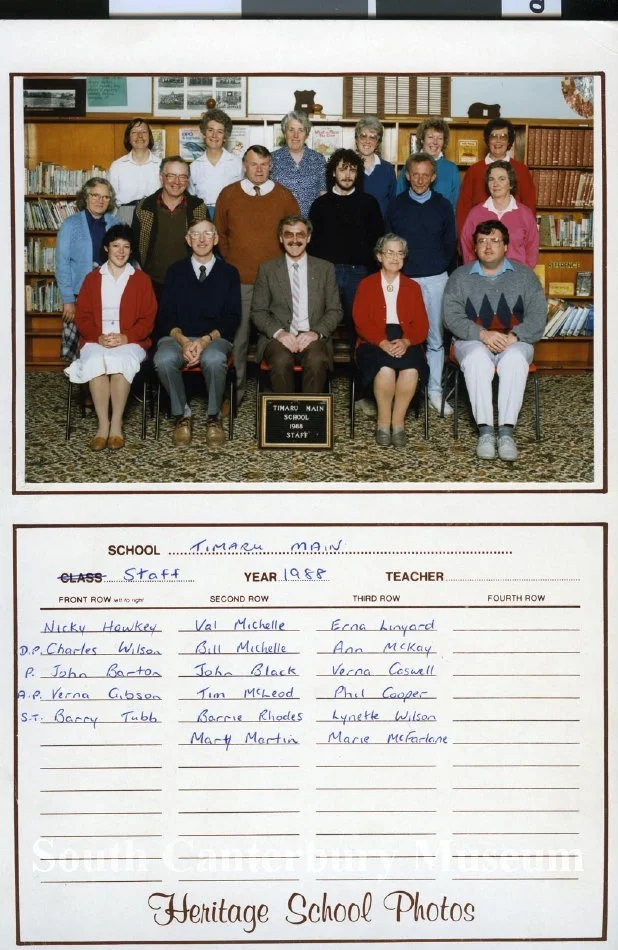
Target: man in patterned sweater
(496,310)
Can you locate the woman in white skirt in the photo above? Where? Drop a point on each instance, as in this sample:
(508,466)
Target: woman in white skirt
(115,315)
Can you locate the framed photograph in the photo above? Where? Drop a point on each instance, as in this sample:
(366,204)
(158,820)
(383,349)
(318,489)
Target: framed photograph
(61,97)
(188,96)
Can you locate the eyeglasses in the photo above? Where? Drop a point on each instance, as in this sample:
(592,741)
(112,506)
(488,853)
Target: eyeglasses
(140,132)
(183,178)
(99,196)
(498,135)
(418,176)
(390,253)
(368,136)
(196,235)
(489,241)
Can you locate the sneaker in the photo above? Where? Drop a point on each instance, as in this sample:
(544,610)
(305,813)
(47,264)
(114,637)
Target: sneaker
(507,450)
(398,439)
(486,446)
(383,438)
(182,431)
(368,407)
(215,435)
(435,401)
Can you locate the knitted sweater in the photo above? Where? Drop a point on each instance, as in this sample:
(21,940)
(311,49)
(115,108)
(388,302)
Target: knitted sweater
(345,228)
(429,229)
(514,301)
(447,183)
(247,227)
(199,308)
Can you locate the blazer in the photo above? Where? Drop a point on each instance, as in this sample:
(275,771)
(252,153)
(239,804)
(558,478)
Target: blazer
(138,308)
(74,253)
(369,311)
(271,306)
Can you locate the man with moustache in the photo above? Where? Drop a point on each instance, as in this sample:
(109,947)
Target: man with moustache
(296,309)
(161,221)
(247,214)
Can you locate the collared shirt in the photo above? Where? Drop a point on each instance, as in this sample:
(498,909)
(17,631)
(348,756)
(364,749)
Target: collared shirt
(112,289)
(249,188)
(300,321)
(131,181)
(477,269)
(182,204)
(420,198)
(207,264)
(489,204)
(207,180)
(376,162)
(489,160)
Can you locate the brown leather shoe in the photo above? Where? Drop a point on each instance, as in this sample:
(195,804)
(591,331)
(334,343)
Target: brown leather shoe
(98,443)
(115,442)
(182,431)
(215,435)
(225,408)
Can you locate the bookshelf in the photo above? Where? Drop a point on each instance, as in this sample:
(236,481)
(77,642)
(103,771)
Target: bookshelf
(561,149)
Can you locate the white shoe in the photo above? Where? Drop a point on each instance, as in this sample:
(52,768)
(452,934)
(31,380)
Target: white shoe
(507,450)
(435,401)
(486,446)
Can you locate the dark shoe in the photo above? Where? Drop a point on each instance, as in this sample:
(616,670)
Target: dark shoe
(98,443)
(182,431)
(215,436)
(383,438)
(398,439)
(115,442)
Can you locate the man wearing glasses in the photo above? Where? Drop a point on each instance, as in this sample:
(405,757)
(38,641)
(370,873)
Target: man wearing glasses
(427,222)
(161,221)
(198,316)
(496,310)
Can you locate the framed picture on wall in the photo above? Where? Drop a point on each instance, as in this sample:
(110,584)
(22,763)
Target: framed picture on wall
(189,96)
(61,97)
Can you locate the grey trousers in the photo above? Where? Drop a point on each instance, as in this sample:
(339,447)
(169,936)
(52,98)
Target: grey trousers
(241,340)
(168,363)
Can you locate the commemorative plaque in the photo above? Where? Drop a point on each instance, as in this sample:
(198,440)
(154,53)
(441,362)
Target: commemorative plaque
(295,422)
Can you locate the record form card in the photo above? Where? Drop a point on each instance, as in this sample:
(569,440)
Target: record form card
(250,734)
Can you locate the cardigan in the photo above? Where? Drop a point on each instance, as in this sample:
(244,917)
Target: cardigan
(369,311)
(198,308)
(523,233)
(75,254)
(473,191)
(381,184)
(145,224)
(138,307)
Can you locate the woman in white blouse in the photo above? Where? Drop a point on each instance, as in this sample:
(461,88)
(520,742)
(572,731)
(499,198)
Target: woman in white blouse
(217,167)
(115,314)
(136,174)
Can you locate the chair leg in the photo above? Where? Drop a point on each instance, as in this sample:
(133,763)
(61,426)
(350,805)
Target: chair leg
(456,405)
(352,401)
(144,398)
(232,401)
(157,410)
(426,412)
(537,408)
(67,432)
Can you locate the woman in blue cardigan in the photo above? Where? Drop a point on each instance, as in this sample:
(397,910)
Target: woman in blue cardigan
(432,137)
(78,251)
(380,178)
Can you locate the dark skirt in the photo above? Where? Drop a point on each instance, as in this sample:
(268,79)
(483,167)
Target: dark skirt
(371,358)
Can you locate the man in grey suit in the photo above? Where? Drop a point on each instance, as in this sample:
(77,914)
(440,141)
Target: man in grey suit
(296,308)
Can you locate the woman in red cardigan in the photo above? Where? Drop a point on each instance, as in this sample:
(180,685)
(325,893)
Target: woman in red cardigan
(115,314)
(391,323)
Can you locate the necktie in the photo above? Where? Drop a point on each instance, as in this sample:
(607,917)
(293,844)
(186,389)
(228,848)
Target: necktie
(202,276)
(295,298)
(257,191)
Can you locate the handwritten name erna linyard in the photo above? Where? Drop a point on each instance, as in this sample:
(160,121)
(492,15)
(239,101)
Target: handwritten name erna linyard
(406,907)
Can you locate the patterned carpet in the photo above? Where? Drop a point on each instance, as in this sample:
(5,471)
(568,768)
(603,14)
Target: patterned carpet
(565,453)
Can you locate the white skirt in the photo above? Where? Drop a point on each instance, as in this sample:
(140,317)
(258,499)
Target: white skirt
(96,360)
